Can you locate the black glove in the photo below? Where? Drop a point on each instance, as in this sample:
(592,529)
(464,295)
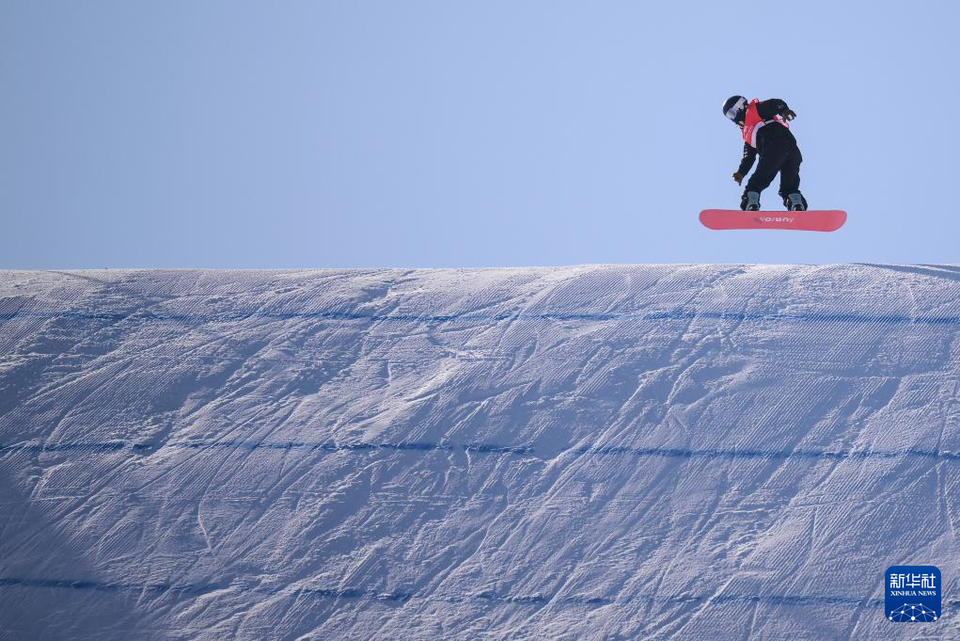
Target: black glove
(789,115)
(738,177)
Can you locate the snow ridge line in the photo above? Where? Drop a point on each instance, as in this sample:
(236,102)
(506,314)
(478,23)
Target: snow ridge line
(188,588)
(486,595)
(677,314)
(114,446)
(491,448)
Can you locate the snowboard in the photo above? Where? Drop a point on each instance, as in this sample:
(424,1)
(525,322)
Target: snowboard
(813,220)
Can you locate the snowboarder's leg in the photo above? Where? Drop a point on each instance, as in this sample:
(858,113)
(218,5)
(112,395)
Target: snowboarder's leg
(760,180)
(770,162)
(793,200)
(766,171)
(775,147)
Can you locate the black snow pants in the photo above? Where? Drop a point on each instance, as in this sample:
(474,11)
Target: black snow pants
(778,153)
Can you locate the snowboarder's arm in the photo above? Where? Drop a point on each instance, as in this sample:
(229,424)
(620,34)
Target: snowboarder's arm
(774,107)
(749,156)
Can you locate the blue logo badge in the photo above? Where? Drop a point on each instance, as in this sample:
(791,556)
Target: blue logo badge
(913,594)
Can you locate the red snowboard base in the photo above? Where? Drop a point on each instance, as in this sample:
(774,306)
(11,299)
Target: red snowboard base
(828,220)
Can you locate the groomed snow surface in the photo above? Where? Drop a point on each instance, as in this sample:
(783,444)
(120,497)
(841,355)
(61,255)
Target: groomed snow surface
(648,452)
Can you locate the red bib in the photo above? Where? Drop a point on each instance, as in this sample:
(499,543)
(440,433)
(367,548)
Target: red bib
(753,122)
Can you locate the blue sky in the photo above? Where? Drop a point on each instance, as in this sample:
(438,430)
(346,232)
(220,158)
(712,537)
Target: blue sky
(428,134)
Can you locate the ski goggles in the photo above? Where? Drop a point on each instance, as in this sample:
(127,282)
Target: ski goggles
(735,109)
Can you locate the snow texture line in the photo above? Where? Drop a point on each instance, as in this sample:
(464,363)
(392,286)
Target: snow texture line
(798,600)
(489,448)
(326,593)
(114,446)
(656,452)
(188,588)
(428,319)
(775,599)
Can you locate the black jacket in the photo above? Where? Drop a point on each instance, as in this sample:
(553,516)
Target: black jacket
(767,110)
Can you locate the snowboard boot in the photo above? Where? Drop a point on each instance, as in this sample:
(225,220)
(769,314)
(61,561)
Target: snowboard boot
(795,202)
(750,201)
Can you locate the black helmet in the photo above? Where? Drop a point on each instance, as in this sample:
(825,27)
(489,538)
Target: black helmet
(733,107)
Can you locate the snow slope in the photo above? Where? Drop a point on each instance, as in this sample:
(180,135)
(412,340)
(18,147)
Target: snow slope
(661,452)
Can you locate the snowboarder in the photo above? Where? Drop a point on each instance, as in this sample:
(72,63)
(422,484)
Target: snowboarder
(765,129)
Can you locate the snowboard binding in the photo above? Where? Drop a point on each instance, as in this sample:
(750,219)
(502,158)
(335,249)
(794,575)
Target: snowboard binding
(750,201)
(795,202)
